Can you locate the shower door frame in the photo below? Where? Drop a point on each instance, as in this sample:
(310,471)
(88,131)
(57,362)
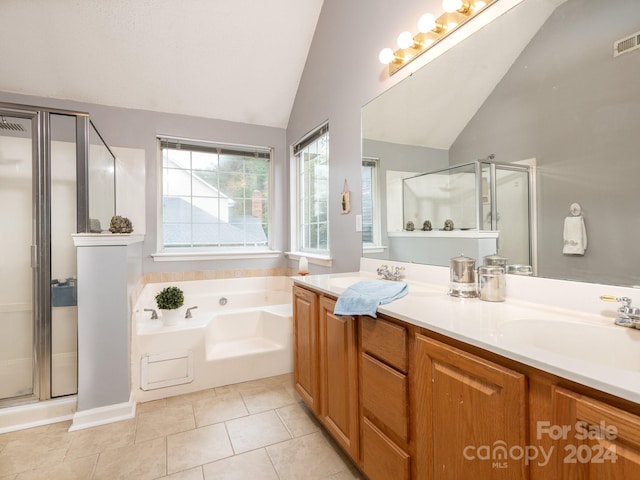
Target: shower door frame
(41,232)
(531,198)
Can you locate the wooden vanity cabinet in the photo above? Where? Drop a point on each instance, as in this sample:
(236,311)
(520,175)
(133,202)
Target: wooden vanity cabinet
(466,407)
(305,346)
(408,403)
(326,365)
(338,362)
(384,394)
(591,439)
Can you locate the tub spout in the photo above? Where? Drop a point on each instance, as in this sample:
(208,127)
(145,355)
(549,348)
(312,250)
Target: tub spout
(188,314)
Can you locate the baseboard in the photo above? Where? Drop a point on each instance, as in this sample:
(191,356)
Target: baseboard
(104,415)
(37,414)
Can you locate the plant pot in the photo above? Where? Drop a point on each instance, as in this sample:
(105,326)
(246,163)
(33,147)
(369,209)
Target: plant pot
(171,317)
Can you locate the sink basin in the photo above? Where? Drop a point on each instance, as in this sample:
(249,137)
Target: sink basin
(605,345)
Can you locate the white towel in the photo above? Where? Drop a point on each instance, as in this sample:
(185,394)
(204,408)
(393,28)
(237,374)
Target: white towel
(575,236)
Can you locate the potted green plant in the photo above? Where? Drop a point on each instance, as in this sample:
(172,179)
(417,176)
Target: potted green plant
(169,300)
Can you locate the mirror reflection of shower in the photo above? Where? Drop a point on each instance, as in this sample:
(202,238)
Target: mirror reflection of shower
(478,197)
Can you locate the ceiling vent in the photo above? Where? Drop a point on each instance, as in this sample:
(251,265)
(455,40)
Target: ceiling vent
(627,44)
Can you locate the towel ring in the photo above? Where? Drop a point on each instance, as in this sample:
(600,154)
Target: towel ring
(575,209)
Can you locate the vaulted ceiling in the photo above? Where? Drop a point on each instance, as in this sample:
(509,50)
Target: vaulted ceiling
(236,60)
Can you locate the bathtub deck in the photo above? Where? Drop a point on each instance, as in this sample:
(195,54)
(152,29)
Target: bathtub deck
(242,347)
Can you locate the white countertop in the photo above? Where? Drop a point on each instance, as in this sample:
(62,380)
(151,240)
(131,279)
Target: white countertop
(586,348)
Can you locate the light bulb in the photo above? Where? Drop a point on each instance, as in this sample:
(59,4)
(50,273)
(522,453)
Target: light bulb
(426,23)
(386,56)
(451,5)
(405,40)
(479,4)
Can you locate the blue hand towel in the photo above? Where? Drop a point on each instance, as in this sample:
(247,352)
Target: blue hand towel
(363,298)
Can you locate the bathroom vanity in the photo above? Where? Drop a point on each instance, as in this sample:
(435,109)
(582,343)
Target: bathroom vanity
(438,387)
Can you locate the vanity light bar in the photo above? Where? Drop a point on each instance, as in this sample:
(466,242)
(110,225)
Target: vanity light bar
(430,31)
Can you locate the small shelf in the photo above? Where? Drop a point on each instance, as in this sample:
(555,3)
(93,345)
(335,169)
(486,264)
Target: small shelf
(447,234)
(105,239)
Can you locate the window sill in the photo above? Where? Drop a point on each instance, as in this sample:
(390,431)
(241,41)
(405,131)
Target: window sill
(374,249)
(188,256)
(314,258)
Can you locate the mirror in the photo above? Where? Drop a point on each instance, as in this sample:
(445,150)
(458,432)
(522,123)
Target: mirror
(540,85)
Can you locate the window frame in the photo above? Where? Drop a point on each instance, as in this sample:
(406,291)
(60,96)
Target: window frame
(213,252)
(297,201)
(376,228)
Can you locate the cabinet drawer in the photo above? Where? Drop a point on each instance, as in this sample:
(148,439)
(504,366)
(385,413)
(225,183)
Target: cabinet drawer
(381,458)
(385,340)
(384,395)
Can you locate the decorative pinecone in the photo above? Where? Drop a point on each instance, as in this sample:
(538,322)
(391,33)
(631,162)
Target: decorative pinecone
(448,225)
(426,226)
(120,225)
(410,226)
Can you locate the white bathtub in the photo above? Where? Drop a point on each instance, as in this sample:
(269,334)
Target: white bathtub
(248,337)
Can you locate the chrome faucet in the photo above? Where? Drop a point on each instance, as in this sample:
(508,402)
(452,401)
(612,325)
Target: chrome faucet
(628,316)
(390,273)
(154,314)
(188,314)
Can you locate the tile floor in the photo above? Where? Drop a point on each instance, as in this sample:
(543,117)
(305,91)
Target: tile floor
(254,430)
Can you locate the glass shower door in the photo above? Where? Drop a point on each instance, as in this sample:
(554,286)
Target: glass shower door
(16,238)
(512,211)
(63,212)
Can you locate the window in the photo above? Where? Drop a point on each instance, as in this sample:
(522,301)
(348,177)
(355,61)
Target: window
(370,203)
(214,197)
(312,160)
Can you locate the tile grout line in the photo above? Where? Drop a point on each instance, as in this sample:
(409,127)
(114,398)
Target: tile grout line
(284,423)
(275,469)
(226,430)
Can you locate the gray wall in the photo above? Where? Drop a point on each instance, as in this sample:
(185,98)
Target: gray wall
(575,108)
(138,129)
(341,75)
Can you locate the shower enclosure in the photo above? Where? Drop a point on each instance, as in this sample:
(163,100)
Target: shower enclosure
(484,199)
(56,179)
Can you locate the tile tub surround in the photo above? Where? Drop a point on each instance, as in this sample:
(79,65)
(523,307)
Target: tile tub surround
(256,429)
(160,277)
(478,323)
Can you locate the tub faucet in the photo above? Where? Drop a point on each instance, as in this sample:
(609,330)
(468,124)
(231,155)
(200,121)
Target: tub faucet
(188,314)
(628,316)
(390,273)
(154,314)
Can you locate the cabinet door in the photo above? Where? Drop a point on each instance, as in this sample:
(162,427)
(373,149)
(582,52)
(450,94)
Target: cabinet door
(339,376)
(472,413)
(593,440)
(305,350)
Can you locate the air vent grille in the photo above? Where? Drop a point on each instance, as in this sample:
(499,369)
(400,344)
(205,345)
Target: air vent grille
(627,44)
